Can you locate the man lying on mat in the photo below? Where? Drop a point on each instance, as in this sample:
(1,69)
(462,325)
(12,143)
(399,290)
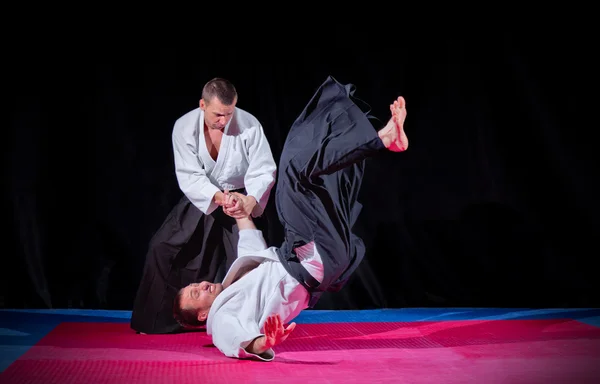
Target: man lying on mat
(320,174)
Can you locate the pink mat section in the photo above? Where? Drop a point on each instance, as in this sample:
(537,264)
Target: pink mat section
(507,351)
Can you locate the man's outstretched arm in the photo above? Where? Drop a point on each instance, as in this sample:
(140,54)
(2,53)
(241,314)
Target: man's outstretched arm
(244,340)
(260,176)
(274,333)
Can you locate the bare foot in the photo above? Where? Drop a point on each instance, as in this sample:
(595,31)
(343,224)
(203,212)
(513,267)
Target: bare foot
(393,135)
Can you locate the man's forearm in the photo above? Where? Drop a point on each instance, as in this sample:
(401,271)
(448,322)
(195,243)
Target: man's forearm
(245,223)
(257,346)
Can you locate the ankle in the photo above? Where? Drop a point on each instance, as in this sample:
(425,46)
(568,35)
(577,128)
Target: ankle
(385,137)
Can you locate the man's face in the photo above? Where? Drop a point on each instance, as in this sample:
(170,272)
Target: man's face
(216,114)
(200,296)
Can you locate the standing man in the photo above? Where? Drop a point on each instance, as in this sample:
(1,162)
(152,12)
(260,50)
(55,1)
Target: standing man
(217,147)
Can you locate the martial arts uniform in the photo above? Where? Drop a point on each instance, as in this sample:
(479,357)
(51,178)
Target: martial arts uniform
(197,241)
(320,174)
(239,311)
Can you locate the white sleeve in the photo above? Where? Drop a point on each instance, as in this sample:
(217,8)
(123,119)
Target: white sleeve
(260,176)
(231,337)
(250,241)
(190,172)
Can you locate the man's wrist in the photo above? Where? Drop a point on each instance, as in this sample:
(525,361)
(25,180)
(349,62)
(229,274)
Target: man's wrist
(258,346)
(219,197)
(252,200)
(245,223)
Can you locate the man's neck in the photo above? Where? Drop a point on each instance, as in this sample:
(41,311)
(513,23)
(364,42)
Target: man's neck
(212,130)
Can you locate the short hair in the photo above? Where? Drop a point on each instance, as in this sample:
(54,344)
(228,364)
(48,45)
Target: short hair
(186,317)
(221,88)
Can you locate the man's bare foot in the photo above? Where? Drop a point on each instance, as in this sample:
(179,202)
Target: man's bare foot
(393,135)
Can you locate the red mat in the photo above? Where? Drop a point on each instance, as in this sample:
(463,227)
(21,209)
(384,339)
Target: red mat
(509,351)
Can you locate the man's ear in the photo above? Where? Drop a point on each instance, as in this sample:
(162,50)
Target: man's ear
(202,104)
(202,315)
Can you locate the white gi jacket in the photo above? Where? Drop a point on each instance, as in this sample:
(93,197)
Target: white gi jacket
(239,312)
(245,160)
